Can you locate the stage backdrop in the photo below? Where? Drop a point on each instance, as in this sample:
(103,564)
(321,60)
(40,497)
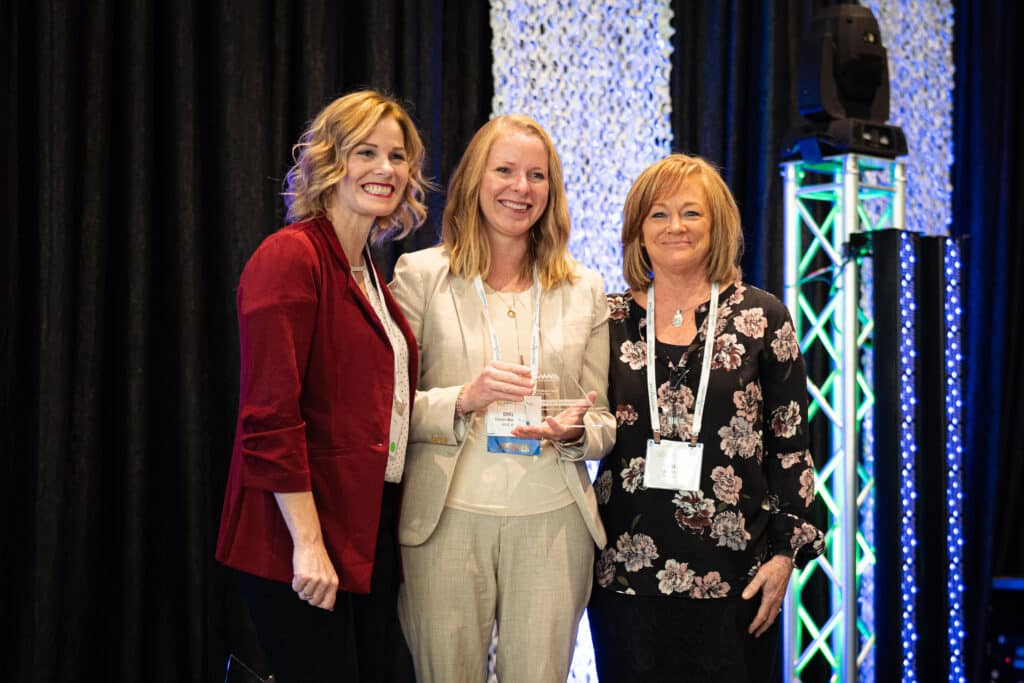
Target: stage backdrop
(144,145)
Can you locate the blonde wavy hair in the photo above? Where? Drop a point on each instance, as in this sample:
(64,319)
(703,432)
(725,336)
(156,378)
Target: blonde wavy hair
(463,230)
(661,179)
(321,157)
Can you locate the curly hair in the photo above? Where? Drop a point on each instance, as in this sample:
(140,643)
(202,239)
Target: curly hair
(463,230)
(321,156)
(662,178)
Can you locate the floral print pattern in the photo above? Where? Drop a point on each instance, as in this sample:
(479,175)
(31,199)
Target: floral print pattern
(727,485)
(635,552)
(632,475)
(625,414)
(785,345)
(694,510)
(757,474)
(633,354)
(676,577)
(751,322)
(603,487)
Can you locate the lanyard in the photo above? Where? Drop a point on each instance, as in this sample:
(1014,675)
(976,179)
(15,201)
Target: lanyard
(705,371)
(534,333)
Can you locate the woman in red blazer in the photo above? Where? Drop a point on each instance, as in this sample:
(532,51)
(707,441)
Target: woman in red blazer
(328,366)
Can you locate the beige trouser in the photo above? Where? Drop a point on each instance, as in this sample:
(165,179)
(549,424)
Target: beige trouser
(532,574)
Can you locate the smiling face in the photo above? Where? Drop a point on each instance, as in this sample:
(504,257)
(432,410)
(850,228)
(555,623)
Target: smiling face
(376,174)
(677,229)
(514,188)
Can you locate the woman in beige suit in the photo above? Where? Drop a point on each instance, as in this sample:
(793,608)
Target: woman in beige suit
(499,520)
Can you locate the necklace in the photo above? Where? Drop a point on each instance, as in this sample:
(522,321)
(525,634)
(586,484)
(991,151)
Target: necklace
(511,306)
(680,313)
(677,317)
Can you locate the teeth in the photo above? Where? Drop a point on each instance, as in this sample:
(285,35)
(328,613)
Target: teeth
(379,190)
(515,205)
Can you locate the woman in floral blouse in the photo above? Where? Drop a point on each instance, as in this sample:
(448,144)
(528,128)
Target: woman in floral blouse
(706,505)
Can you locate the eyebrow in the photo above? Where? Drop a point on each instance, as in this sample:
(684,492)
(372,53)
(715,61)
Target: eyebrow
(513,163)
(370,144)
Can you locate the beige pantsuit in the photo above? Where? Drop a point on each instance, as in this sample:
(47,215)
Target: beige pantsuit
(532,574)
(463,570)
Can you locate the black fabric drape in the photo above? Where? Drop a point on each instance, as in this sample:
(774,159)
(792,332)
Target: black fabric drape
(144,148)
(733,99)
(988,211)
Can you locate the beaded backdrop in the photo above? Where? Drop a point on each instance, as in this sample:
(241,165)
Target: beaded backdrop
(918,35)
(596,76)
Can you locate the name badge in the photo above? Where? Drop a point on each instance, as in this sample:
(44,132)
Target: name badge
(503,417)
(673,465)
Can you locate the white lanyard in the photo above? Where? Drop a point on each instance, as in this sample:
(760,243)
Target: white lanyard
(705,371)
(534,334)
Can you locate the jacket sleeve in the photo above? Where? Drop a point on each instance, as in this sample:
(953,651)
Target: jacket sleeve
(277,304)
(787,457)
(599,423)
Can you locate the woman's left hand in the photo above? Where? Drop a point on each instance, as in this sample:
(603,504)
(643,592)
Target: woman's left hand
(772,580)
(562,427)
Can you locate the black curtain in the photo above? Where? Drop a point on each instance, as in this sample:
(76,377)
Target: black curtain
(144,144)
(144,147)
(733,87)
(988,212)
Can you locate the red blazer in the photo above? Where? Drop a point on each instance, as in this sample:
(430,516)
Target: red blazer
(316,387)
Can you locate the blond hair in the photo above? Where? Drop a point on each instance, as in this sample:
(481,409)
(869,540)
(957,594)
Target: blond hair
(321,156)
(463,230)
(665,177)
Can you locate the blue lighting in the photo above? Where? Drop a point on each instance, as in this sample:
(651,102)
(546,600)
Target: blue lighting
(954,461)
(908,452)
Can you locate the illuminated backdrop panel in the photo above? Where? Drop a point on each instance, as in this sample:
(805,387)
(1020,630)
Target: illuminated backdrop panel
(596,76)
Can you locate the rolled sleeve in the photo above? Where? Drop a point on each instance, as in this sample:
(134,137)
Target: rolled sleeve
(276,460)
(277,304)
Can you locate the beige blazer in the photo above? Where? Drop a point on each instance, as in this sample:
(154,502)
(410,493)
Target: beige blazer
(447,317)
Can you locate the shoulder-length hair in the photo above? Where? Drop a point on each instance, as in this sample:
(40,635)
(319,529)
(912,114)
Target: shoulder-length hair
(321,161)
(665,177)
(462,228)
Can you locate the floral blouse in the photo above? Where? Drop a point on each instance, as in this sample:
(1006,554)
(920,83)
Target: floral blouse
(757,476)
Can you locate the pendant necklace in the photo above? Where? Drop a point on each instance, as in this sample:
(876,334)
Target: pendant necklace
(677,317)
(511,306)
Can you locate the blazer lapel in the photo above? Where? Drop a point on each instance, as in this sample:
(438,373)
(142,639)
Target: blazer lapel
(470,318)
(326,231)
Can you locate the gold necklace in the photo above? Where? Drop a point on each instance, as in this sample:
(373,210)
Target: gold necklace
(511,307)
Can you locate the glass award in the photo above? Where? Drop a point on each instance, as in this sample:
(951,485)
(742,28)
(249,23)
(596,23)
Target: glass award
(562,398)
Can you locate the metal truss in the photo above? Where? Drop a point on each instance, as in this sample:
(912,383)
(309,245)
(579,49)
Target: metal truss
(828,206)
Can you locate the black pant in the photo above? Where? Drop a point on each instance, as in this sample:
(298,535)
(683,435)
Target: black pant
(359,641)
(649,639)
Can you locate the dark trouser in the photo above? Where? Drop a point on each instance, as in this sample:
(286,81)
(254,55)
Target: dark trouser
(359,641)
(651,639)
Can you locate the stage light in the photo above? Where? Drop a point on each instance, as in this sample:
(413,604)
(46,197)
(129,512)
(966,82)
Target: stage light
(843,89)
